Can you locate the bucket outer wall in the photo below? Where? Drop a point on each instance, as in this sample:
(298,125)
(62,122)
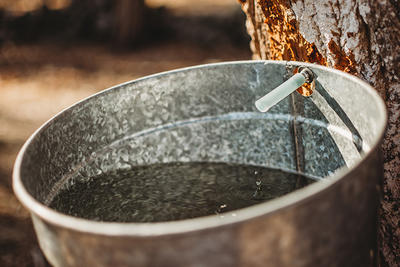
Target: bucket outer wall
(324,224)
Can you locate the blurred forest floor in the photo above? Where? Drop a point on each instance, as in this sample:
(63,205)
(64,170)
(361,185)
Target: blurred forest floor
(40,78)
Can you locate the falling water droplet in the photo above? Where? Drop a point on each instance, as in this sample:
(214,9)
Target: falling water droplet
(258,193)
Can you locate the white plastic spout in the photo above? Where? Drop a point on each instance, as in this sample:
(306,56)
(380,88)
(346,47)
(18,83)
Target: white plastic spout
(278,94)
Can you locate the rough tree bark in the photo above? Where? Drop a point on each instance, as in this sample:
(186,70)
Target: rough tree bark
(361,37)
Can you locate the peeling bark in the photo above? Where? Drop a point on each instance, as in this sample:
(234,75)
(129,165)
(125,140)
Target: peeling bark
(361,37)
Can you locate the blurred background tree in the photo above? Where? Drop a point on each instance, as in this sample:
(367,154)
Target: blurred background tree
(34,19)
(123,22)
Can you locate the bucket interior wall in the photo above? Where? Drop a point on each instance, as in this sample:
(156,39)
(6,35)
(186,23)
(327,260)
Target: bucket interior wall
(204,114)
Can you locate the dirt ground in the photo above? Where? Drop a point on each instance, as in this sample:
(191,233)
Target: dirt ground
(37,80)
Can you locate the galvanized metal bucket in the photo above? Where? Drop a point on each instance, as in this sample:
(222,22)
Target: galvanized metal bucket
(207,113)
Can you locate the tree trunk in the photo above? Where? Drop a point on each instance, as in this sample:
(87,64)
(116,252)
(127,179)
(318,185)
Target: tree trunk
(361,37)
(129,20)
